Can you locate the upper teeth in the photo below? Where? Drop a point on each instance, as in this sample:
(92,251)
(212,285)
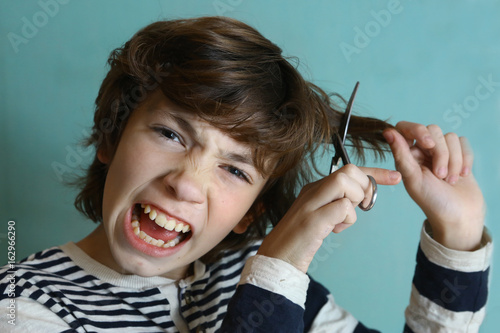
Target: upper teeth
(163,221)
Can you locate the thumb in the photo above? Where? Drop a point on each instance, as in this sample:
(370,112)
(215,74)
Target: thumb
(403,158)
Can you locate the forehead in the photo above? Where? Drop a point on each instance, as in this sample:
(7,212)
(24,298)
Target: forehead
(199,131)
(159,106)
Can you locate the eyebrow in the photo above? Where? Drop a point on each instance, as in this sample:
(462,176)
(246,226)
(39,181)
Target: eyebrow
(241,158)
(186,126)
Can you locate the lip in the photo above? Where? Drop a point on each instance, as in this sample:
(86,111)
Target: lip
(146,248)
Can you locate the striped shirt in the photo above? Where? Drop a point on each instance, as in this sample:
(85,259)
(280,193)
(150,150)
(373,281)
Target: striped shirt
(63,290)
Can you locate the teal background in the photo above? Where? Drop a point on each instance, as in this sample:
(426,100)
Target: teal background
(416,66)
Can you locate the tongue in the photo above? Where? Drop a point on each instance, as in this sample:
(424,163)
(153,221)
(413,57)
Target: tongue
(155,231)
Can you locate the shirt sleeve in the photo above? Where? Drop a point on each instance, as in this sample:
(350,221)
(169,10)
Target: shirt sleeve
(273,296)
(270,297)
(450,287)
(448,294)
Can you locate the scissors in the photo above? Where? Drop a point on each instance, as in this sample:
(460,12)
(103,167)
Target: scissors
(339,139)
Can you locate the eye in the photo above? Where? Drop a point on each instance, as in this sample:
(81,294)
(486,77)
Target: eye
(168,134)
(237,173)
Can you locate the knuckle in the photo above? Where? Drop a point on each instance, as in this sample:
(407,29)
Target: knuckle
(342,179)
(306,187)
(350,168)
(433,128)
(345,205)
(451,136)
(401,123)
(419,128)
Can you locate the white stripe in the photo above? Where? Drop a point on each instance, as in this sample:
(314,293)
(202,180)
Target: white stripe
(333,318)
(423,315)
(462,261)
(276,276)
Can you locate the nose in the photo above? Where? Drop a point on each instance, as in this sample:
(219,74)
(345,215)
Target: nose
(185,184)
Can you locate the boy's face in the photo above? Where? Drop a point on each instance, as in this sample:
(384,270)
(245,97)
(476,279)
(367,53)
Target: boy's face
(198,180)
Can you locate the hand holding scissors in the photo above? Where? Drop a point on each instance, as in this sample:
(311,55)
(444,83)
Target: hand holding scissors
(339,139)
(324,206)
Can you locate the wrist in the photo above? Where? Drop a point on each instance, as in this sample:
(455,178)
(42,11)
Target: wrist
(458,237)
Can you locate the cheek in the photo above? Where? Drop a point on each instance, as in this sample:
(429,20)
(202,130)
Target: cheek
(228,208)
(126,172)
(133,163)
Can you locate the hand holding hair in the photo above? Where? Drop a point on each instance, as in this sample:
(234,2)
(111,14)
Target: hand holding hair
(436,171)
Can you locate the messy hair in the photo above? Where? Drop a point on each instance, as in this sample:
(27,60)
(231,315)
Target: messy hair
(229,75)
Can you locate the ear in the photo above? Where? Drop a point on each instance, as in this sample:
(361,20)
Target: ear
(243,225)
(248,219)
(102,156)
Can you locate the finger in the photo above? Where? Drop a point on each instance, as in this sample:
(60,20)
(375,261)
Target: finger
(359,176)
(418,132)
(341,213)
(440,153)
(405,163)
(344,183)
(341,227)
(383,176)
(467,156)
(456,158)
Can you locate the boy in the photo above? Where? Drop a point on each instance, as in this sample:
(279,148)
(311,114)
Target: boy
(203,132)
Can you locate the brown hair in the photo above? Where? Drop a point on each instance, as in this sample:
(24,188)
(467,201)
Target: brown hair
(227,73)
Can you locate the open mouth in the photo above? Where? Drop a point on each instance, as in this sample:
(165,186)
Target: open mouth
(156,228)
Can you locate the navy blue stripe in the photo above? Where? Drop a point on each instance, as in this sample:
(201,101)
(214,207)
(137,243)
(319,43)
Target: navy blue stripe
(115,324)
(42,255)
(43,265)
(206,312)
(453,290)
(360,328)
(141,294)
(316,299)
(57,281)
(148,302)
(68,271)
(203,299)
(254,309)
(219,318)
(219,280)
(216,267)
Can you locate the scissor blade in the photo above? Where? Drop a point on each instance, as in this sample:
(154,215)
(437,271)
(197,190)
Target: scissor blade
(346,118)
(340,154)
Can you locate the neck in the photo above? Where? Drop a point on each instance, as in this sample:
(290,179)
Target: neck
(96,246)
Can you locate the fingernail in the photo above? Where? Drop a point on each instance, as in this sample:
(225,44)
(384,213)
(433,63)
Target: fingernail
(389,137)
(428,140)
(465,171)
(442,171)
(452,179)
(394,175)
